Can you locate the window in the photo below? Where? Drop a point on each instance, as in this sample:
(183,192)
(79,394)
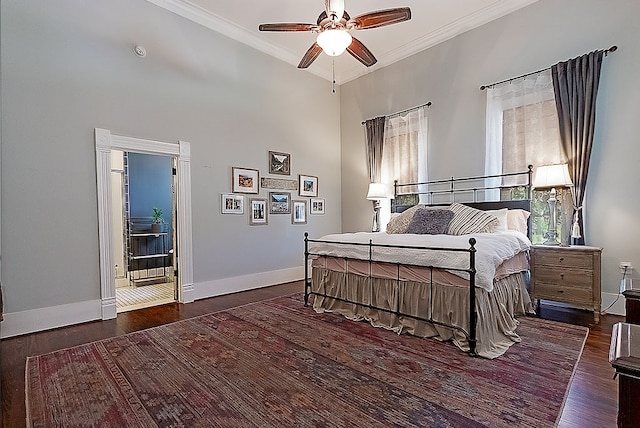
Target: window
(404,157)
(522,130)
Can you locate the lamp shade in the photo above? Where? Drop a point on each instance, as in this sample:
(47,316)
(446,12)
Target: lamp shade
(377,191)
(552,176)
(334,41)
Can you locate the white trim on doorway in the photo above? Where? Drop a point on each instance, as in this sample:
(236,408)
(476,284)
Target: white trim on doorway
(105,142)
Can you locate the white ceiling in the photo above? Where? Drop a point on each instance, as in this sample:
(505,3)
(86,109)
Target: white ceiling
(432,22)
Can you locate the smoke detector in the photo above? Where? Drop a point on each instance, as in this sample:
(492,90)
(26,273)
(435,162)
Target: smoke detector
(140,51)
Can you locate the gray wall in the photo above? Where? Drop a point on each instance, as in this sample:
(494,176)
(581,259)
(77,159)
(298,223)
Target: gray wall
(533,38)
(68,67)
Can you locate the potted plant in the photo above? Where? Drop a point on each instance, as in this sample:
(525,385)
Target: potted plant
(156,220)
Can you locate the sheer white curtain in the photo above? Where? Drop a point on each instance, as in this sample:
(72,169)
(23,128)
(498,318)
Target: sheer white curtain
(404,157)
(522,128)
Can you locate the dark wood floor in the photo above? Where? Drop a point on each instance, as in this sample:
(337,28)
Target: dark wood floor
(592,399)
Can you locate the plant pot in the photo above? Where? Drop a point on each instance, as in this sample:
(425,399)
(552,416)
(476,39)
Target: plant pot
(156,227)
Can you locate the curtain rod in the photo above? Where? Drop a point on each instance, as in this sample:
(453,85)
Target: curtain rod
(483,87)
(403,111)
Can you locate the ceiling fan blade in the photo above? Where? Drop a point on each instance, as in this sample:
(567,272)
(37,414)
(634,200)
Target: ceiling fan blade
(286,27)
(381,18)
(334,8)
(361,53)
(310,56)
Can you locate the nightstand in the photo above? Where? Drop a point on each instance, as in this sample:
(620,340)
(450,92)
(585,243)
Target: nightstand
(567,274)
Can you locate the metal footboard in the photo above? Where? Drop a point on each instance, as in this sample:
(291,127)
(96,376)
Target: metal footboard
(469,333)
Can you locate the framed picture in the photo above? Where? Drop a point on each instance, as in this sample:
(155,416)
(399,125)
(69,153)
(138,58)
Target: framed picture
(279,163)
(308,185)
(278,183)
(258,214)
(299,212)
(317,206)
(279,203)
(232,204)
(245,180)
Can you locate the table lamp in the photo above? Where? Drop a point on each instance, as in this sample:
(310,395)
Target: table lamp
(376,192)
(552,176)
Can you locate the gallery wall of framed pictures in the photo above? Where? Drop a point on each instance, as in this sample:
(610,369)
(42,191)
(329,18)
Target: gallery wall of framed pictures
(273,195)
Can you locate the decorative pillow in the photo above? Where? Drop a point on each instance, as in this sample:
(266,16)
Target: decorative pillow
(502,218)
(430,221)
(400,223)
(468,220)
(517,220)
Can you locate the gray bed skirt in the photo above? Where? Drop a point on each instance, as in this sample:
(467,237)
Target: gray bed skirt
(497,309)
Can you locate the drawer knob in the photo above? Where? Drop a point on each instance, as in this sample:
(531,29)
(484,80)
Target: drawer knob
(561,259)
(561,276)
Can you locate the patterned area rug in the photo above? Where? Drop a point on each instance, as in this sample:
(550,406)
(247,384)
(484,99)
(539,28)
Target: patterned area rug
(278,364)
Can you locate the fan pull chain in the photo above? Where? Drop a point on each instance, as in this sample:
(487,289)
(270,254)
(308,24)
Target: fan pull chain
(333,77)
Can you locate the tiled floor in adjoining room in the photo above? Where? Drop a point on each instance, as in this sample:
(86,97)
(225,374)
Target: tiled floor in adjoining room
(132,297)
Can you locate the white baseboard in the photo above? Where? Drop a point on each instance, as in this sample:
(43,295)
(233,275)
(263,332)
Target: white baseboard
(31,321)
(187,293)
(220,287)
(34,320)
(618,307)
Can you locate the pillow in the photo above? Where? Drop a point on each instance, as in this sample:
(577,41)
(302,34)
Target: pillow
(400,223)
(502,218)
(517,220)
(468,220)
(430,221)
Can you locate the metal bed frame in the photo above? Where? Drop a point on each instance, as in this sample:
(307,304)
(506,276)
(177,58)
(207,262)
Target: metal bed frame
(452,190)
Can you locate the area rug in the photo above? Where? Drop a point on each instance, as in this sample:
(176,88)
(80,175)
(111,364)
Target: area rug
(277,363)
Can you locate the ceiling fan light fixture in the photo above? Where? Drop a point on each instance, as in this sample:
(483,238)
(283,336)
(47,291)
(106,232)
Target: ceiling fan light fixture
(334,41)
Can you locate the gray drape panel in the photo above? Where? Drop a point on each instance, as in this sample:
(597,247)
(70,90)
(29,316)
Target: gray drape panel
(575,83)
(374,129)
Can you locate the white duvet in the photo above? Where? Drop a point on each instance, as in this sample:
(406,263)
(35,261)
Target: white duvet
(492,250)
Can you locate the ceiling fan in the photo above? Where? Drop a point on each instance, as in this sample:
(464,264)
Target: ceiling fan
(333,27)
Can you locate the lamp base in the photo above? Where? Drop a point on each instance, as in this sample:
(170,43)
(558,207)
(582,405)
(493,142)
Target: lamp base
(552,235)
(551,242)
(375,223)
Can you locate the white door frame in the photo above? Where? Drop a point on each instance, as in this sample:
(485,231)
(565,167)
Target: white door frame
(105,141)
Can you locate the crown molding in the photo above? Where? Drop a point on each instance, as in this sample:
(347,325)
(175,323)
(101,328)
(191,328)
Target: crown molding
(444,33)
(197,14)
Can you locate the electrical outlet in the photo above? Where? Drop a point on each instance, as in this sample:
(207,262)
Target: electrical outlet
(626,267)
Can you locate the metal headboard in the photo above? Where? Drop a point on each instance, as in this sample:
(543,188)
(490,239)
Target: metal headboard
(471,191)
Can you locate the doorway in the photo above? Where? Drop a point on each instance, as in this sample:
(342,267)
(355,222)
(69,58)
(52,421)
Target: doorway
(144,238)
(183,261)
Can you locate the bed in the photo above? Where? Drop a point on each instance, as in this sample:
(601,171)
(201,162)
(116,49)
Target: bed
(444,283)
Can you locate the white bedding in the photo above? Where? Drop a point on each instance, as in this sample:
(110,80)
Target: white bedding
(492,250)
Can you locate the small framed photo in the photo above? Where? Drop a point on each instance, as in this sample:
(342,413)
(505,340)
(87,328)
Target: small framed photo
(308,185)
(245,180)
(317,206)
(279,203)
(279,163)
(299,212)
(232,204)
(258,214)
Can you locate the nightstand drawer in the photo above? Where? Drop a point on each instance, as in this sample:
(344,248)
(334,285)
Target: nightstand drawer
(563,293)
(581,279)
(563,258)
